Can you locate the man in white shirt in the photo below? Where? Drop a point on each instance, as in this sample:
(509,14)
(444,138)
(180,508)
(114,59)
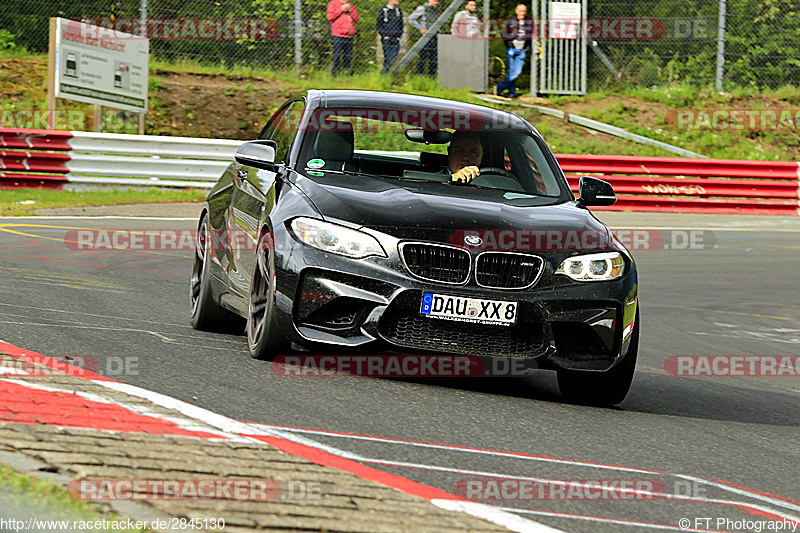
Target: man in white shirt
(466,23)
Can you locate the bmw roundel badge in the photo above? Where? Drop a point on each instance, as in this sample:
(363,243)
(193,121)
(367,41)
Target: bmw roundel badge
(473,240)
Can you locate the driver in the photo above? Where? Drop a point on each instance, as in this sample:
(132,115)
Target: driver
(464,154)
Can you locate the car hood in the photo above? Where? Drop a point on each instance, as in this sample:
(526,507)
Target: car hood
(435,211)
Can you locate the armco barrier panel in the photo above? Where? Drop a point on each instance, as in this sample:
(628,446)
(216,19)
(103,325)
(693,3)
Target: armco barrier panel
(50,158)
(671,184)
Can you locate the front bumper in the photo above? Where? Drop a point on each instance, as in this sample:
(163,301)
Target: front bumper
(329,303)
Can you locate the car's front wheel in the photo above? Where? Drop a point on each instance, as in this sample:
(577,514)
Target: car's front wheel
(206,314)
(602,388)
(263,337)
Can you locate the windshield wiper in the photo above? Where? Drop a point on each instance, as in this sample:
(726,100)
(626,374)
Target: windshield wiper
(401,178)
(419,180)
(347,172)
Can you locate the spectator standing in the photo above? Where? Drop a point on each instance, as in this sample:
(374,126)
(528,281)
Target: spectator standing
(390,27)
(343,17)
(422,18)
(517,36)
(466,23)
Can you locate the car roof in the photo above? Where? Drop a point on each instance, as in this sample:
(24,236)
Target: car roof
(338,99)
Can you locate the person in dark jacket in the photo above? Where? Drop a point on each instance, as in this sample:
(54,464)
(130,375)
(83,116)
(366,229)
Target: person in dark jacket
(390,27)
(422,18)
(517,36)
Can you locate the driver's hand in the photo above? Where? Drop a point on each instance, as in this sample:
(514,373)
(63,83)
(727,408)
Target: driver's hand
(466,174)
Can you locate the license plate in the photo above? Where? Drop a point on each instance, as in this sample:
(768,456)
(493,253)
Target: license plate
(461,309)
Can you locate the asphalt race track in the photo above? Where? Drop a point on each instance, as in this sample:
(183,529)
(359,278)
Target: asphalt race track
(717,448)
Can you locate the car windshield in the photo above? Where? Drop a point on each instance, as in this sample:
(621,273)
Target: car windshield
(416,147)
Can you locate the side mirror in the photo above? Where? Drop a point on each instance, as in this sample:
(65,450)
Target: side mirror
(258,154)
(595,192)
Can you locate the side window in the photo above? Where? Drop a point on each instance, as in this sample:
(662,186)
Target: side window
(282,128)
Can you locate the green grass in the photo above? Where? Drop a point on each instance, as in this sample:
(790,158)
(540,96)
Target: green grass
(20,52)
(644,111)
(42,500)
(317,79)
(44,198)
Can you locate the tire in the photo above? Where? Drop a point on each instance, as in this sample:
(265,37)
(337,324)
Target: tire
(206,314)
(602,388)
(264,339)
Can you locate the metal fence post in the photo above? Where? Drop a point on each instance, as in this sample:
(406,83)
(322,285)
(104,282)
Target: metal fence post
(298,36)
(535,49)
(486,7)
(430,33)
(143,32)
(721,44)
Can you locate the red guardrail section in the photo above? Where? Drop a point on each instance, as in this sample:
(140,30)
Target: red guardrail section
(673,184)
(43,168)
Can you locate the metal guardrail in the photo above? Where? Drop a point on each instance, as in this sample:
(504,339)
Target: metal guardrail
(597,126)
(44,158)
(52,158)
(673,184)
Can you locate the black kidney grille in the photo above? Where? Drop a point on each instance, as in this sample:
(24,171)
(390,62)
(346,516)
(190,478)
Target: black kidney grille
(436,263)
(502,270)
(402,324)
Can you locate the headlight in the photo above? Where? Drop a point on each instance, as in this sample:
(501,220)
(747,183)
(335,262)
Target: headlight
(336,239)
(593,267)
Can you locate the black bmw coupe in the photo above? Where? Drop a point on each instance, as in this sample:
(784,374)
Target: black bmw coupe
(365,221)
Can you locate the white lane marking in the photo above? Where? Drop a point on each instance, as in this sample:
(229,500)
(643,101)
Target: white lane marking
(735,331)
(12,371)
(98,217)
(741,492)
(164,338)
(417,466)
(68,284)
(508,520)
(139,409)
(243,429)
(495,453)
(617,521)
(237,341)
(667,496)
(110,317)
(222,422)
(483,511)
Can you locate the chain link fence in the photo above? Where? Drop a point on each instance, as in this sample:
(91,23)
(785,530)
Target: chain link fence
(761,40)
(761,37)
